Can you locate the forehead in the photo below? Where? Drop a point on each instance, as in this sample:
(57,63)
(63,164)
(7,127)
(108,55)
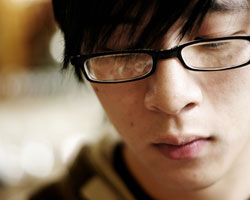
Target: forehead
(230,5)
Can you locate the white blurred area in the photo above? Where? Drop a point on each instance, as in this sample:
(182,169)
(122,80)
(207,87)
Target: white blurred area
(39,134)
(45,114)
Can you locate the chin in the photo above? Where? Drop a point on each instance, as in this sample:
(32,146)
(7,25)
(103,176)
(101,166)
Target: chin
(194,186)
(191,183)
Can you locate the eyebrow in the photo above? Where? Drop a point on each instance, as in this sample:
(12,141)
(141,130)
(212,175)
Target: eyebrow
(230,6)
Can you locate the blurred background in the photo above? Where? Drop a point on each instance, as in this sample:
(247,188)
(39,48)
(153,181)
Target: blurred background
(45,114)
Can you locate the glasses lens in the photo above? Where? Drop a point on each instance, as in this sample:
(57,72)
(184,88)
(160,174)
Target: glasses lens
(217,54)
(119,67)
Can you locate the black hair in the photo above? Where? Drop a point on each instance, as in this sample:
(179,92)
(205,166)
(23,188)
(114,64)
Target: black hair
(88,25)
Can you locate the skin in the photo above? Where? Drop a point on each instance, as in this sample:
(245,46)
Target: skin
(175,102)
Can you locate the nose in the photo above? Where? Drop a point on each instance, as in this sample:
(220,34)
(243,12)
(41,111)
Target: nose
(172,88)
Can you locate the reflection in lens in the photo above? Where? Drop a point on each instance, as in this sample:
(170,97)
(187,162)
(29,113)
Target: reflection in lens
(218,54)
(119,67)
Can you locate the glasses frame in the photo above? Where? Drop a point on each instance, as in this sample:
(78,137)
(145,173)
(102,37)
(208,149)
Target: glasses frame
(175,52)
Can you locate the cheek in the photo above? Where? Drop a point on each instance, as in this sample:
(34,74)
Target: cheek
(228,94)
(123,103)
(227,89)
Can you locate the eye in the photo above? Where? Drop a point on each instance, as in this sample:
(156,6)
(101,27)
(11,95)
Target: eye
(212,45)
(215,45)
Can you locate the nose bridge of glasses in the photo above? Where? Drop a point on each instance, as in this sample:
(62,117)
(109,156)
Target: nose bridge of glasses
(169,53)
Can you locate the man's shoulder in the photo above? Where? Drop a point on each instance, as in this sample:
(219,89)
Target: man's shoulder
(68,186)
(90,176)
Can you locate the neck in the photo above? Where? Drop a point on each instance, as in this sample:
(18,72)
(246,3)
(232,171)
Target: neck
(235,184)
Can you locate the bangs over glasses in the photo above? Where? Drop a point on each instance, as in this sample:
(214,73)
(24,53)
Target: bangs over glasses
(89,25)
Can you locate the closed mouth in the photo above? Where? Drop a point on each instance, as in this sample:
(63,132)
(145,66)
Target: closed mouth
(183,148)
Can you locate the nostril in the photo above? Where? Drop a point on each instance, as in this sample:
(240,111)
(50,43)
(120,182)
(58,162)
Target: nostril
(189,106)
(154,108)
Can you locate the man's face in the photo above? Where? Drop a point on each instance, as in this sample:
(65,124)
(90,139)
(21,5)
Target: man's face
(186,129)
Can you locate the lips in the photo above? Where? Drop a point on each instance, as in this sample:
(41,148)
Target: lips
(178,148)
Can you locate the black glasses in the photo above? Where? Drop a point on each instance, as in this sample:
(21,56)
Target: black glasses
(130,65)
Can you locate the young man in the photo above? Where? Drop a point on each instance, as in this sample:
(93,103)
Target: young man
(173,78)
